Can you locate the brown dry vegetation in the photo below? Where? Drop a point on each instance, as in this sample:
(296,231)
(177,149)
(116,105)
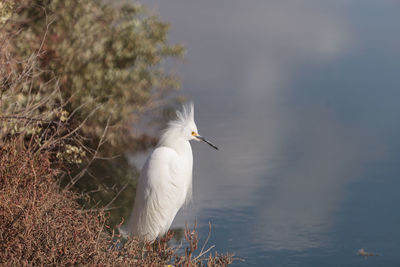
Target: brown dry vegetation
(43,225)
(40,225)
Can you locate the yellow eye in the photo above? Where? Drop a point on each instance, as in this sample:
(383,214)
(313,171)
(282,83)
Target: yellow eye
(194,133)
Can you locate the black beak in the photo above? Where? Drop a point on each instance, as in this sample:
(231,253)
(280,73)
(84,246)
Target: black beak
(206,141)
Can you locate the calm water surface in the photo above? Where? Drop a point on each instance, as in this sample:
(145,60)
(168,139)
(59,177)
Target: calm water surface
(303,98)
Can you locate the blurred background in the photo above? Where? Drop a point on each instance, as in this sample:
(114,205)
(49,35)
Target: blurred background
(302,99)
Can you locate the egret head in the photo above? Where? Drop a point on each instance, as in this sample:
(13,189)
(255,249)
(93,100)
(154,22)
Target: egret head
(185,126)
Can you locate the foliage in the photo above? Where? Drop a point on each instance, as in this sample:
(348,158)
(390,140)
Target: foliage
(87,64)
(106,58)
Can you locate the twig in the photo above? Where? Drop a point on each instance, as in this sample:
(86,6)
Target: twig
(27,118)
(83,171)
(202,252)
(116,196)
(205,242)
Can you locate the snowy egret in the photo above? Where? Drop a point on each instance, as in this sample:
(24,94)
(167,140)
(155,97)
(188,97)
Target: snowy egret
(165,182)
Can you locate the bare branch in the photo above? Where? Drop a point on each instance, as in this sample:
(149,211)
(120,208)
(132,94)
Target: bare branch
(94,157)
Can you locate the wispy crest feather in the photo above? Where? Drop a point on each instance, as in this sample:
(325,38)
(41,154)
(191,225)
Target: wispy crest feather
(183,118)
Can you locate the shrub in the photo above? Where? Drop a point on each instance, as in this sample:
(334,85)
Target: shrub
(85,64)
(107,58)
(39,224)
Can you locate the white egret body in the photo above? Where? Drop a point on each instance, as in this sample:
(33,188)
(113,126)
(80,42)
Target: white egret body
(165,182)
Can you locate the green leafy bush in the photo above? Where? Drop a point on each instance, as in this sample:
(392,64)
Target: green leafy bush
(107,60)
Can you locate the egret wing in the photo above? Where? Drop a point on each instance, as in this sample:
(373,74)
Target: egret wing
(159,194)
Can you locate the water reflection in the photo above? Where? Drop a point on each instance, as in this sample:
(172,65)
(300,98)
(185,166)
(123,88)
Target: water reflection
(271,85)
(322,157)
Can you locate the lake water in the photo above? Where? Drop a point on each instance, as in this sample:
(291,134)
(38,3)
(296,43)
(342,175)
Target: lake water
(302,97)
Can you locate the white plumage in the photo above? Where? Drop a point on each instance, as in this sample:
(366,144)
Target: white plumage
(165,182)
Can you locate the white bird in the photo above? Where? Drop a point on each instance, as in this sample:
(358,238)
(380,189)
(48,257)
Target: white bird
(165,182)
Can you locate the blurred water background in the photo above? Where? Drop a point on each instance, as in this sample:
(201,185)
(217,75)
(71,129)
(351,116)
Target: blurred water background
(302,97)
